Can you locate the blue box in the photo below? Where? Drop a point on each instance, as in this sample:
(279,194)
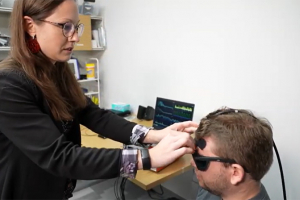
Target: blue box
(120,107)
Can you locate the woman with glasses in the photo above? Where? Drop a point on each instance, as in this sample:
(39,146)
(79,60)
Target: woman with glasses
(42,105)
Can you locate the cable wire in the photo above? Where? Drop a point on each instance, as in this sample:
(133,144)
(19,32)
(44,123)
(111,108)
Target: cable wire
(116,191)
(122,188)
(161,189)
(281,171)
(156,193)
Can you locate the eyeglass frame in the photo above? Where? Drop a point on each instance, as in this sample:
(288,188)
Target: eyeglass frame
(207,160)
(62,25)
(198,157)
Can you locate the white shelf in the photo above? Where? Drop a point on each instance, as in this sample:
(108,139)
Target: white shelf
(87,80)
(91,93)
(93,49)
(5,10)
(9,10)
(94,17)
(4,48)
(98,49)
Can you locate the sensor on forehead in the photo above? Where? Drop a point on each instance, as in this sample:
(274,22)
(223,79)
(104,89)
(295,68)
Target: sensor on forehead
(201,143)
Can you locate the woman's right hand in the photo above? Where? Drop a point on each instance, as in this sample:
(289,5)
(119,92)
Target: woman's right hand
(171,147)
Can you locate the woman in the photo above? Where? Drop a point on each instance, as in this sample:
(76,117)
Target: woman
(42,105)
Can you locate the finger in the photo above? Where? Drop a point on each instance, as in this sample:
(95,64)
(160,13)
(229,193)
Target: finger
(183,125)
(183,141)
(179,139)
(179,134)
(191,143)
(182,151)
(190,130)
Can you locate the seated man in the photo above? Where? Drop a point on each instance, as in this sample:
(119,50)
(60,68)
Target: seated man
(234,152)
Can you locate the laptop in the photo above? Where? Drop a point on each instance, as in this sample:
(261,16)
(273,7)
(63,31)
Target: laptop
(168,112)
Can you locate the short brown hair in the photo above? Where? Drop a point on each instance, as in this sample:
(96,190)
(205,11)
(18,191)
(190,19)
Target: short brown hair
(241,136)
(57,83)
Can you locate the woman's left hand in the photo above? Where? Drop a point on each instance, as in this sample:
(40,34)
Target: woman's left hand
(155,136)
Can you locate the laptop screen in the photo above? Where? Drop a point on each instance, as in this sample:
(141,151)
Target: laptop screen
(168,112)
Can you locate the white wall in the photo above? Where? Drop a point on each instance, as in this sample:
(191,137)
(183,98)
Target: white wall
(238,53)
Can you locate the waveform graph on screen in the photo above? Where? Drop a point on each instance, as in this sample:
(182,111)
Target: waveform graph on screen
(163,113)
(168,112)
(184,113)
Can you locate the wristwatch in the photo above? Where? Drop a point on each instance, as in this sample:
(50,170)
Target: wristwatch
(145,159)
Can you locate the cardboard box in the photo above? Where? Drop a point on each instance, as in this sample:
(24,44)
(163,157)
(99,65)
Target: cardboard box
(85,43)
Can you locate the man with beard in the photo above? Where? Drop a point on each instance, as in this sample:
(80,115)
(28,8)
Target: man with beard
(234,152)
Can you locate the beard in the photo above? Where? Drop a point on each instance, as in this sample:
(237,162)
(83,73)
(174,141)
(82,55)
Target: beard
(216,184)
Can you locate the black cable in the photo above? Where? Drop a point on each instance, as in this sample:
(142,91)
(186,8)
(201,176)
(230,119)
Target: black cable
(116,191)
(149,194)
(281,171)
(161,193)
(122,188)
(156,193)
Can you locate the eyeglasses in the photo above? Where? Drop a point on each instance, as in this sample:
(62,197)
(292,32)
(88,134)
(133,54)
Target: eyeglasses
(68,28)
(202,162)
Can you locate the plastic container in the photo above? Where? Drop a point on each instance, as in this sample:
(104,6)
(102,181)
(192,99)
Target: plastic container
(120,107)
(90,70)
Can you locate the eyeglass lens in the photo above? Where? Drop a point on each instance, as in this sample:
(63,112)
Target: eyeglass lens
(69,29)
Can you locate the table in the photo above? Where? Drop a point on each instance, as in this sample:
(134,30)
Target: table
(146,179)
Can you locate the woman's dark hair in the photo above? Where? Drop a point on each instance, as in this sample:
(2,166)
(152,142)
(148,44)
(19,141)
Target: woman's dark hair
(56,81)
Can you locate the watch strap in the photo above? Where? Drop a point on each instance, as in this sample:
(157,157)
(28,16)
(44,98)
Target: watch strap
(145,159)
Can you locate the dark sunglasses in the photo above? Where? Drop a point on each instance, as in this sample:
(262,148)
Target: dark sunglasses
(202,162)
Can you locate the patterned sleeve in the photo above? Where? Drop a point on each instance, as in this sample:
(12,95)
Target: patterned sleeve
(139,133)
(129,156)
(129,163)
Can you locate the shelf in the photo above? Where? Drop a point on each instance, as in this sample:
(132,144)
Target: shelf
(87,80)
(4,48)
(94,49)
(9,10)
(91,93)
(94,17)
(98,49)
(5,10)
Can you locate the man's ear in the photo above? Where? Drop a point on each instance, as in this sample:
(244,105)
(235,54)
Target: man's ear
(237,174)
(29,26)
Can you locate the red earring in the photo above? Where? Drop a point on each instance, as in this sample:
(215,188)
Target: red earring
(33,45)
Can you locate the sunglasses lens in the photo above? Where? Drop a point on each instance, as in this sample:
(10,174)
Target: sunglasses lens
(202,165)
